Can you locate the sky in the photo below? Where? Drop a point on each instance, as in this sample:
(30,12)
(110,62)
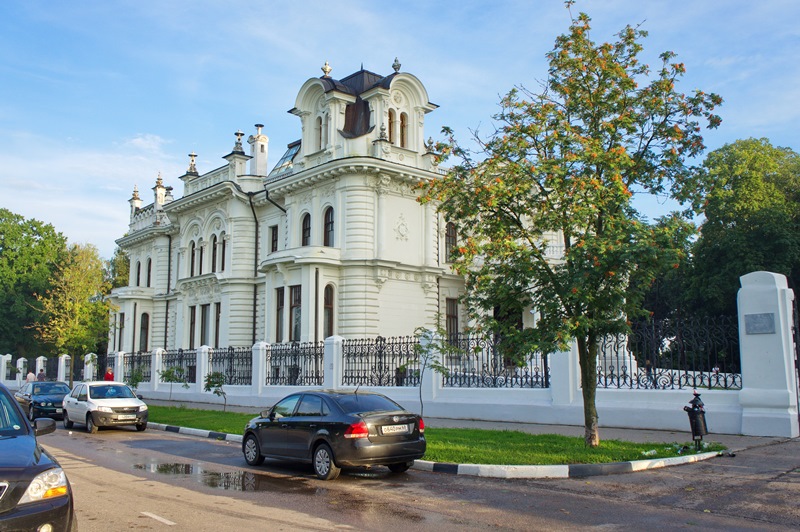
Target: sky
(97,97)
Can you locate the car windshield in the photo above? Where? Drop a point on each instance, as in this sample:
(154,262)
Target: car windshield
(10,422)
(356,403)
(47,388)
(110,391)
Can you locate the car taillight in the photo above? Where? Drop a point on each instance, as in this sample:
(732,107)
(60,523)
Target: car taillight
(421,425)
(357,430)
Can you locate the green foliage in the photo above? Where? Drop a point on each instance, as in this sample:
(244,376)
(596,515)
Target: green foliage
(117,269)
(29,253)
(173,374)
(74,310)
(135,378)
(752,222)
(225,422)
(545,216)
(429,350)
(213,382)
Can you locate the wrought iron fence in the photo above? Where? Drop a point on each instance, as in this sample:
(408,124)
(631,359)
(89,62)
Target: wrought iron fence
(673,354)
(489,362)
(137,367)
(185,360)
(380,362)
(236,363)
(295,364)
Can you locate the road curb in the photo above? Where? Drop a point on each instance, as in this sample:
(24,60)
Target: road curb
(496,471)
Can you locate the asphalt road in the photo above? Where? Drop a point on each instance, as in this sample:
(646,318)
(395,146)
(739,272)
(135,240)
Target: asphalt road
(158,481)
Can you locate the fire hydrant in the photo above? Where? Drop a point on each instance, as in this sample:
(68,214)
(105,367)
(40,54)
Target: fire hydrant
(697,419)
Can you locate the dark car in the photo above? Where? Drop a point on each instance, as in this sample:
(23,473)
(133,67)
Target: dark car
(334,429)
(34,491)
(42,399)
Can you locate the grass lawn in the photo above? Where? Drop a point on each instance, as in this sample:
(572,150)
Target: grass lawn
(467,446)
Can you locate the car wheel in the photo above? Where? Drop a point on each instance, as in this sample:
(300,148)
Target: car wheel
(90,426)
(31,414)
(400,468)
(67,422)
(324,466)
(252,451)
(141,427)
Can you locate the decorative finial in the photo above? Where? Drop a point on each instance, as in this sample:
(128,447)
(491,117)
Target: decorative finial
(238,146)
(326,69)
(135,193)
(383,131)
(159,181)
(396,65)
(429,145)
(192,168)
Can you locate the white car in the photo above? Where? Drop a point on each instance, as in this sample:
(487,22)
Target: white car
(104,404)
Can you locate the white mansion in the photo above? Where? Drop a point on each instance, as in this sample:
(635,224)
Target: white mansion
(331,242)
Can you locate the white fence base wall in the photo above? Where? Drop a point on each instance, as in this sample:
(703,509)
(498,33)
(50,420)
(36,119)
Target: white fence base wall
(766,406)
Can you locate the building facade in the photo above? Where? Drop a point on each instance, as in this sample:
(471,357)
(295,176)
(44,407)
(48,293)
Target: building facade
(331,241)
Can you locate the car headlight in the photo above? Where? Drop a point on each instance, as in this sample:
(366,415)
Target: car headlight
(143,408)
(46,485)
(106,409)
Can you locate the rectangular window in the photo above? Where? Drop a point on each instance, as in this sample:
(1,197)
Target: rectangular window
(217,316)
(295,313)
(192,326)
(273,238)
(451,318)
(205,314)
(279,315)
(121,331)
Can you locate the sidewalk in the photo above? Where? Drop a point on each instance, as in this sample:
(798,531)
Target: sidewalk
(734,443)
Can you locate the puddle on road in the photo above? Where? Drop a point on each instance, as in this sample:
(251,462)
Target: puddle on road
(230,480)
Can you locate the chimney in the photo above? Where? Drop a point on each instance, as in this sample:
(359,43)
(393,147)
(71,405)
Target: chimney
(259,148)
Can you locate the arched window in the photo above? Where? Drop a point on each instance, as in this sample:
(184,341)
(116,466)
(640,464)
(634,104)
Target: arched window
(222,254)
(214,253)
(138,273)
(144,332)
(318,132)
(328,229)
(403,130)
(327,321)
(391,125)
(200,259)
(149,271)
(191,260)
(450,241)
(306,235)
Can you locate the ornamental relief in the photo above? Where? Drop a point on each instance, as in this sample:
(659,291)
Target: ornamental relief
(401,228)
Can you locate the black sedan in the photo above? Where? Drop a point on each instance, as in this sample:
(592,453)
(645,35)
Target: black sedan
(42,399)
(34,491)
(332,429)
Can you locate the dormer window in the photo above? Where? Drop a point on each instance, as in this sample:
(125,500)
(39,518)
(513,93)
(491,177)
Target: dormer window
(392,121)
(403,130)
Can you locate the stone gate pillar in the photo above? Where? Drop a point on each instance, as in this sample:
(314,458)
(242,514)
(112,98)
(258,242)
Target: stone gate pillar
(769,391)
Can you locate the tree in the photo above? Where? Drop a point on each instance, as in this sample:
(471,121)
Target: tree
(29,253)
(74,310)
(214,382)
(117,269)
(172,375)
(752,221)
(556,180)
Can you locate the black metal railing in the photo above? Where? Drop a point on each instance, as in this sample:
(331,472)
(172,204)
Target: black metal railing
(185,360)
(673,354)
(137,367)
(295,364)
(380,362)
(489,362)
(236,363)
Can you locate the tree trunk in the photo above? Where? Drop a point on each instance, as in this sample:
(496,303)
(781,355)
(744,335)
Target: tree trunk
(587,357)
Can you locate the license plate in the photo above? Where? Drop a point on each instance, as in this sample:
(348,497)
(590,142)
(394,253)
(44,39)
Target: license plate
(122,417)
(395,429)
(58,410)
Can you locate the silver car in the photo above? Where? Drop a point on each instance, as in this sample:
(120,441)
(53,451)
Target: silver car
(104,404)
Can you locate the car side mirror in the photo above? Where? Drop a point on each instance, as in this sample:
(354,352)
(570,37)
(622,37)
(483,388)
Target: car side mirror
(44,425)
(140,397)
(272,416)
